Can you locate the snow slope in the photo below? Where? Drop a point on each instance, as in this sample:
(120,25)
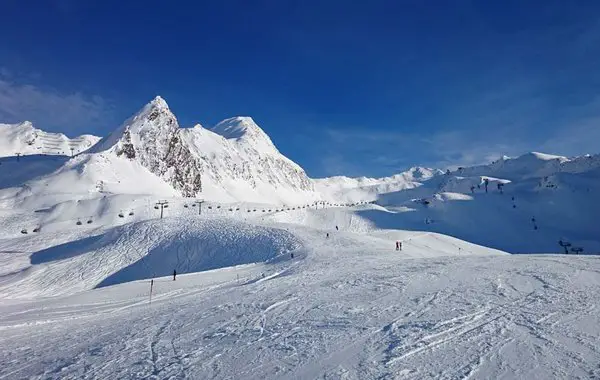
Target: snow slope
(24,139)
(348,306)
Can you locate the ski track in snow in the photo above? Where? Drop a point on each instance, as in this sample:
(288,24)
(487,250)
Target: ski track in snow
(346,308)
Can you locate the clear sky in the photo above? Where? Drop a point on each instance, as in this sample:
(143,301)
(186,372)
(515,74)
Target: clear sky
(342,87)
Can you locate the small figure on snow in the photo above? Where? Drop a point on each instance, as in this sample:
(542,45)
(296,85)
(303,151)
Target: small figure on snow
(336,228)
(398,246)
(292,254)
(174,274)
(327,235)
(472,189)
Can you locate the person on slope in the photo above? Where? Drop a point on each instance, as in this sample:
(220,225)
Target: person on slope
(336,228)
(327,235)
(472,189)
(174,274)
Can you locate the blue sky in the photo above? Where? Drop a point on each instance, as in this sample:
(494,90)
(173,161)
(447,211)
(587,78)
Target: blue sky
(355,89)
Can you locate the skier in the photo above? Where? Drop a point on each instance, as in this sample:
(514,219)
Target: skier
(336,228)
(472,189)
(486,182)
(292,255)
(328,235)
(397,245)
(174,274)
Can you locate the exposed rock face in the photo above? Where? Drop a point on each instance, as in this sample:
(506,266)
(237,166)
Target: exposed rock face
(234,157)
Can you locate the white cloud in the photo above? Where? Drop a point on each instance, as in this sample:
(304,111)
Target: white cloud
(51,109)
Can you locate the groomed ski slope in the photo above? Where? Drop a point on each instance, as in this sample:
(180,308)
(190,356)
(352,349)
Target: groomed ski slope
(344,307)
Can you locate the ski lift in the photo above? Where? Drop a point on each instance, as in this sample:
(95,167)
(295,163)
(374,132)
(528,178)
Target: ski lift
(218,206)
(166,206)
(121,215)
(193,205)
(37,229)
(269,210)
(237,209)
(249,210)
(79,222)
(130,213)
(254,210)
(263,210)
(156,207)
(89,221)
(210,207)
(185,205)
(230,209)
(24,231)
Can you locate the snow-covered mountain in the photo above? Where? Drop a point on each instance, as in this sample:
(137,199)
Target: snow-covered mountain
(348,189)
(235,160)
(24,139)
(532,165)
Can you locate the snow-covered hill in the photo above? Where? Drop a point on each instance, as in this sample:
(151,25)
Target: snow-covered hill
(24,139)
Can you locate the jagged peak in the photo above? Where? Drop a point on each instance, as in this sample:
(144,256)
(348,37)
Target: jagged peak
(159,102)
(155,115)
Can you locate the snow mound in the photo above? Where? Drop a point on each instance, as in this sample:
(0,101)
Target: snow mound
(146,250)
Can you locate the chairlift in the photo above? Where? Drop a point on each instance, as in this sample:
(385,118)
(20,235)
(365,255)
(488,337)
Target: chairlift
(37,229)
(24,231)
(166,206)
(218,206)
(156,207)
(254,210)
(249,210)
(130,213)
(263,210)
(237,209)
(269,210)
(185,205)
(121,214)
(89,221)
(79,222)
(230,209)
(210,207)
(193,205)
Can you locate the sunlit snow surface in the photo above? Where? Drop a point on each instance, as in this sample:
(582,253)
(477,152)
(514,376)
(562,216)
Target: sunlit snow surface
(348,306)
